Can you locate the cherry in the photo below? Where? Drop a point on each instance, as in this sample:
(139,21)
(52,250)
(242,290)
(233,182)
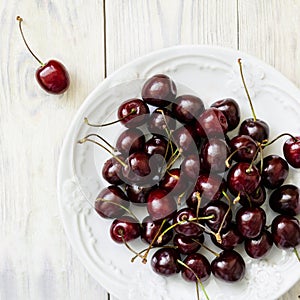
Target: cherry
(211,123)
(257,129)
(260,246)
(165,261)
(159,90)
(174,181)
(291,150)
(229,266)
(257,198)
(187,107)
(137,194)
(243,148)
(151,229)
(286,200)
(186,139)
(132,113)
(112,170)
(52,76)
(161,121)
(250,221)
(275,170)
(160,204)
(131,140)
(231,110)
(186,244)
(214,153)
(243,178)
(285,231)
(124,229)
(190,166)
(110,202)
(158,145)
(198,265)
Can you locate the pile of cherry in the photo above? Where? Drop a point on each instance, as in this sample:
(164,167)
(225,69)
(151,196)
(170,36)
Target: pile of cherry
(175,157)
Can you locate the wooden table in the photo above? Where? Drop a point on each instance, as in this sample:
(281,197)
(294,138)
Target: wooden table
(93,38)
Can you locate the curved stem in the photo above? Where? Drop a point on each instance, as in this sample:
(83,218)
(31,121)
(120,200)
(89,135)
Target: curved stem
(127,245)
(297,254)
(248,95)
(20,20)
(277,138)
(102,139)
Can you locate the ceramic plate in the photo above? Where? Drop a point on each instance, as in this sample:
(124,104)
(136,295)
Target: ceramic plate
(211,73)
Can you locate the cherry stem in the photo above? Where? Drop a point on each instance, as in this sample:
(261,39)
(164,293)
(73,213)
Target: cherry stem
(207,248)
(179,198)
(85,139)
(249,169)
(20,20)
(127,245)
(198,279)
(102,139)
(138,255)
(248,95)
(297,254)
(198,196)
(86,121)
(228,165)
(173,158)
(277,138)
(237,198)
(121,206)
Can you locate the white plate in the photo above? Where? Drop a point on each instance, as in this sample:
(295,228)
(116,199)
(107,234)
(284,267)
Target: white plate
(213,74)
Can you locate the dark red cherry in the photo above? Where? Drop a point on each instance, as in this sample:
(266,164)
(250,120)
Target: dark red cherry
(229,266)
(133,112)
(214,153)
(244,148)
(165,261)
(275,170)
(186,244)
(186,139)
(110,202)
(243,178)
(260,246)
(151,230)
(257,129)
(187,223)
(174,181)
(212,122)
(159,90)
(286,200)
(160,204)
(187,107)
(218,210)
(125,229)
(197,264)
(231,110)
(52,76)
(190,165)
(137,194)
(257,198)
(285,232)
(112,170)
(291,150)
(250,221)
(158,145)
(230,238)
(131,140)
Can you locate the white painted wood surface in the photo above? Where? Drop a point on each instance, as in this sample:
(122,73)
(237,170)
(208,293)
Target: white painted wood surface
(93,38)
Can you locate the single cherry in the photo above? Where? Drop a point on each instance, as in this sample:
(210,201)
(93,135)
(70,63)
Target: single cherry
(243,148)
(131,140)
(186,139)
(137,194)
(291,150)
(190,166)
(256,199)
(52,76)
(174,181)
(112,170)
(186,244)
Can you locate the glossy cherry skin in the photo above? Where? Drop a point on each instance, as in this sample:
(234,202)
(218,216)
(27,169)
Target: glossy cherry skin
(256,199)
(285,232)
(230,238)
(214,153)
(161,205)
(260,246)
(190,166)
(53,77)
(187,223)
(112,170)
(275,170)
(137,194)
(114,200)
(186,139)
(258,130)
(200,266)
(211,123)
(186,244)
(131,140)
(160,121)
(250,221)
(245,148)
(133,112)
(174,181)
(159,90)
(230,108)
(150,230)
(218,210)
(158,145)
(243,179)
(291,150)
(286,200)
(229,266)
(165,261)
(187,107)
(125,229)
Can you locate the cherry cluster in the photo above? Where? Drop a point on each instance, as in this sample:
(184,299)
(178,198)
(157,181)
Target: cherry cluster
(176,158)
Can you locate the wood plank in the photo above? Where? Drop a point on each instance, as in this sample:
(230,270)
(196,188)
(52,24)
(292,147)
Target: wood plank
(36,261)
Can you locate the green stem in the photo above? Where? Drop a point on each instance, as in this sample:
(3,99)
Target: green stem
(297,254)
